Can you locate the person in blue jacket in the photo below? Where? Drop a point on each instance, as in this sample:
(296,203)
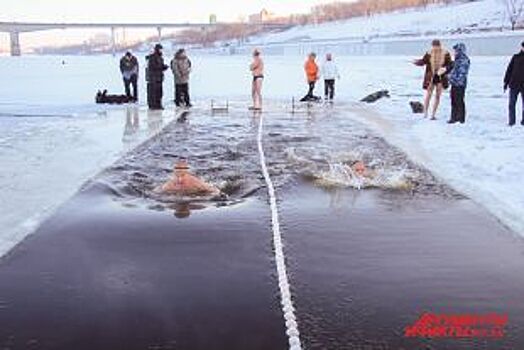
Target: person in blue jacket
(458,78)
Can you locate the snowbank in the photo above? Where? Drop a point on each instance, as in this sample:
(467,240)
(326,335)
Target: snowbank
(482,158)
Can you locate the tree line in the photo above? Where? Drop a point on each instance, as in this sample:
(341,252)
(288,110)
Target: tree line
(345,10)
(335,11)
(318,14)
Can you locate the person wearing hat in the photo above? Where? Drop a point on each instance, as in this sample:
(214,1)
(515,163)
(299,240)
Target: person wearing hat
(458,78)
(330,73)
(155,77)
(184,183)
(181,68)
(129,70)
(312,73)
(514,79)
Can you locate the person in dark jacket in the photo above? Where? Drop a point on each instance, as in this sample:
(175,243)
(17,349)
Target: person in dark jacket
(155,77)
(437,62)
(458,78)
(181,67)
(129,70)
(514,79)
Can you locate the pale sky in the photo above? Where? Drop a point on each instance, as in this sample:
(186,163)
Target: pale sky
(128,11)
(143,10)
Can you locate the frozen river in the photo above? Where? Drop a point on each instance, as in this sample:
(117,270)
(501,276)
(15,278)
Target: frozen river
(53,137)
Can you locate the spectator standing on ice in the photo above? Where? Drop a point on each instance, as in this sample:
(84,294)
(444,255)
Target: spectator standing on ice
(437,62)
(257,70)
(181,68)
(330,73)
(312,72)
(129,70)
(458,78)
(155,77)
(514,79)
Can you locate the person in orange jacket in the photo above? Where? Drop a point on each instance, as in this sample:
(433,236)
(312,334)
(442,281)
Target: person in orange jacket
(312,73)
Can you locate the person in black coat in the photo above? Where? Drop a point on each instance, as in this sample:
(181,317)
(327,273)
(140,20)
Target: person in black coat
(514,79)
(155,78)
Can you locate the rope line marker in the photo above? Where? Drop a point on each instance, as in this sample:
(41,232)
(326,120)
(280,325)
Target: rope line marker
(283,281)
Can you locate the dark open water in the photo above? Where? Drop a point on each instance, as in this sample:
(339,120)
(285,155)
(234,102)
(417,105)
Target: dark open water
(114,268)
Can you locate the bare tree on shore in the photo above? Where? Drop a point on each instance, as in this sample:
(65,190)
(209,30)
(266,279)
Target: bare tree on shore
(514,9)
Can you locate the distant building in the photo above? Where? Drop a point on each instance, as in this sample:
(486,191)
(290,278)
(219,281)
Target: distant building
(261,17)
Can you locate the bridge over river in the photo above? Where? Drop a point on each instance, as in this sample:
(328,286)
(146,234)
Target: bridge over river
(16,28)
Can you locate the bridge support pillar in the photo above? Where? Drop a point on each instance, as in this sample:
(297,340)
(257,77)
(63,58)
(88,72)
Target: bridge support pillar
(15,43)
(113,41)
(159,31)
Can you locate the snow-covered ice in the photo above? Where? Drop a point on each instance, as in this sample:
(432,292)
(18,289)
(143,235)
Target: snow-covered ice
(53,137)
(481,158)
(44,161)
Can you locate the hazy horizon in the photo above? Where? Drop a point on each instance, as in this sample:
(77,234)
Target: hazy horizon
(163,11)
(99,11)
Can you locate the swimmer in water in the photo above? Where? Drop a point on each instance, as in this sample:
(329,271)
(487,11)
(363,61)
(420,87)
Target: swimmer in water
(183,183)
(359,169)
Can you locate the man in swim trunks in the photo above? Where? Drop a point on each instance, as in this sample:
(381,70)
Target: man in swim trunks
(183,183)
(257,70)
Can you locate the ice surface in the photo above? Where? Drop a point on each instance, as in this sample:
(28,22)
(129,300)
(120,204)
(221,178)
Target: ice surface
(44,159)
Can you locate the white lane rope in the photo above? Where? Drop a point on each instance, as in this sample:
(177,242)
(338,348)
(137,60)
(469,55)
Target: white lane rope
(283,282)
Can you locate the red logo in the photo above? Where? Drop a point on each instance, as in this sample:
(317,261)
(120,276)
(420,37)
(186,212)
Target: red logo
(458,326)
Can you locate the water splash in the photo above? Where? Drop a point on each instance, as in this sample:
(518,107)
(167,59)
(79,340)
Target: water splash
(341,175)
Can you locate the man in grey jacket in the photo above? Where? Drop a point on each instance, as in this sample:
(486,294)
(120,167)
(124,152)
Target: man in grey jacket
(181,67)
